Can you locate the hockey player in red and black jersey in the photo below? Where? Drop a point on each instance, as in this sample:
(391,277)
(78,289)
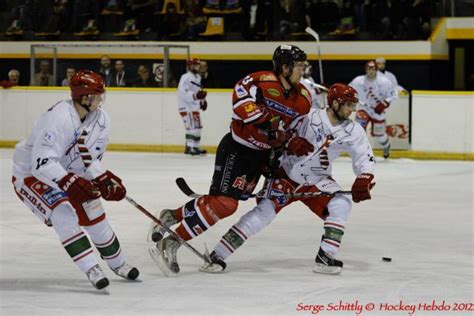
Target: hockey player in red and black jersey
(265,104)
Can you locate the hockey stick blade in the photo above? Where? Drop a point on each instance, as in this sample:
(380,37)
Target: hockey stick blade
(312,32)
(184,187)
(204,257)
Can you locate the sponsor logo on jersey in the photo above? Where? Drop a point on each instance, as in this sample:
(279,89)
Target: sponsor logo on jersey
(267,77)
(240,91)
(274,92)
(240,182)
(305,93)
(33,201)
(52,196)
(198,230)
(281,108)
(49,138)
(249,108)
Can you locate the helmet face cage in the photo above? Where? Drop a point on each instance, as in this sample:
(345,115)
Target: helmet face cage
(287,55)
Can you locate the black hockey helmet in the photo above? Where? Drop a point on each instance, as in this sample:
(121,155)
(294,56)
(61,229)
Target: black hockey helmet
(287,55)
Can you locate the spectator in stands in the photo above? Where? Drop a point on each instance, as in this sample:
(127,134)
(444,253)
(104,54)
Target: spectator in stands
(195,20)
(120,77)
(207,80)
(85,16)
(13,79)
(43,77)
(144,79)
(292,17)
(70,71)
(106,70)
(142,12)
(254,21)
(158,75)
(170,24)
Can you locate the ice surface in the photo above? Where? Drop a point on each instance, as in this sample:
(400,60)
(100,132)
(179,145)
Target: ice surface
(421,216)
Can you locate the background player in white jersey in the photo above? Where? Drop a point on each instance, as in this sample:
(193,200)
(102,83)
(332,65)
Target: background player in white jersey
(375,95)
(58,174)
(331,132)
(192,99)
(318,91)
(381,64)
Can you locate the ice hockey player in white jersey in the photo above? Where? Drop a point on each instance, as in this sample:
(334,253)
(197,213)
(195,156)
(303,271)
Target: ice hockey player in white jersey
(318,91)
(58,175)
(376,93)
(192,99)
(381,70)
(332,133)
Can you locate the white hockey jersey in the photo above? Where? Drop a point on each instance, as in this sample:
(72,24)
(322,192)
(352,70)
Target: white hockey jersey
(391,77)
(189,84)
(329,143)
(372,92)
(55,144)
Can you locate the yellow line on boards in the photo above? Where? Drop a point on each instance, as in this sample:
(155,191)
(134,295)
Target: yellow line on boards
(420,155)
(461,93)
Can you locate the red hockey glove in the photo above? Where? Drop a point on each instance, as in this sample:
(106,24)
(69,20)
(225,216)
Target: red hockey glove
(200,95)
(203,105)
(362,186)
(381,106)
(299,146)
(110,186)
(78,188)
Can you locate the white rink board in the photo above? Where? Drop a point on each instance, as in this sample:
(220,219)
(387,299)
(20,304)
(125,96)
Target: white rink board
(426,228)
(398,115)
(151,117)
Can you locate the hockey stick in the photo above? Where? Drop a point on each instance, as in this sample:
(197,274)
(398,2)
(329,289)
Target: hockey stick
(205,256)
(184,187)
(313,33)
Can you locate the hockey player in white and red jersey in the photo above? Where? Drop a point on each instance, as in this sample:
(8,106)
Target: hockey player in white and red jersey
(192,99)
(376,93)
(318,91)
(332,133)
(59,176)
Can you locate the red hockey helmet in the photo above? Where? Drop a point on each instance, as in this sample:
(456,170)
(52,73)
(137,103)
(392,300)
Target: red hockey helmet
(86,82)
(192,61)
(342,93)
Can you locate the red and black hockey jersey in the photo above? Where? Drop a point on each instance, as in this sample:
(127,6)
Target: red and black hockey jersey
(257,94)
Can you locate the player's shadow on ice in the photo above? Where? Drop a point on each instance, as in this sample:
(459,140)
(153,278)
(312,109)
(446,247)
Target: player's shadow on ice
(49,285)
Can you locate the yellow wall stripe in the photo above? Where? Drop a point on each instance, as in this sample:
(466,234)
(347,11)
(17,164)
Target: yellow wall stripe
(420,155)
(460,33)
(461,93)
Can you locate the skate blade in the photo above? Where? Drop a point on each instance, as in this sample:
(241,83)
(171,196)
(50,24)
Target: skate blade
(160,262)
(214,269)
(319,268)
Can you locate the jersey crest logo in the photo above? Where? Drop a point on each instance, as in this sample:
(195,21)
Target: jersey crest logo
(240,182)
(249,108)
(267,77)
(281,108)
(274,92)
(188,213)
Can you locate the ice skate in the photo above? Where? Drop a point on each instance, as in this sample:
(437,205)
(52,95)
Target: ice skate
(216,266)
(128,272)
(200,151)
(165,255)
(168,219)
(326,264)
(98,278)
